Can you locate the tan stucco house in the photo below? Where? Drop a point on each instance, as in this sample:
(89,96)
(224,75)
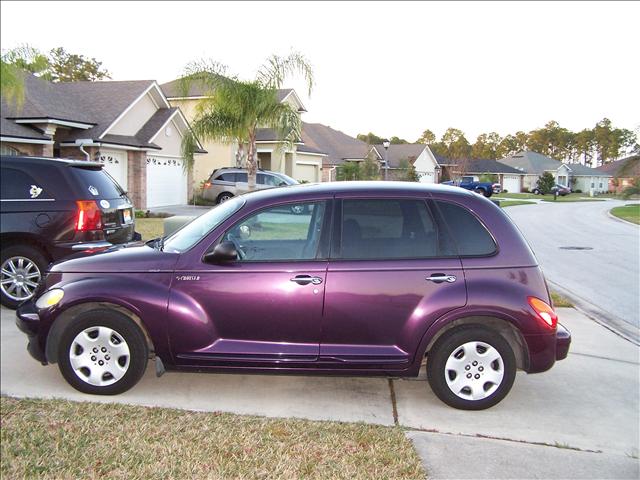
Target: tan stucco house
(128,126)
(302,162)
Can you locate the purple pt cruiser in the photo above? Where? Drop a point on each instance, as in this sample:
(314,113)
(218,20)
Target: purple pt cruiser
(360,278)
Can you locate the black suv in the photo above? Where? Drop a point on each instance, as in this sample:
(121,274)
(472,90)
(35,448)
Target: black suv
(50,209)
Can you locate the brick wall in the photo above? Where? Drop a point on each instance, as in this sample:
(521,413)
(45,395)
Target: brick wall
(328,174)
(30,149)
(137,178)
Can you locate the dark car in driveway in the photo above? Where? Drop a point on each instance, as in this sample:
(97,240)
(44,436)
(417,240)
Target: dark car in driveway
(370,280)
(50,209)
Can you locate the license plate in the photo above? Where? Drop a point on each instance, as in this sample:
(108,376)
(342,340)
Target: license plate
(126,216)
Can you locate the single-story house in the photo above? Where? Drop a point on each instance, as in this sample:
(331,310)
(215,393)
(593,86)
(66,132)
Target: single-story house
(624,172)
(578,176)
(417,154)
(128,126)
(302,162)
(509,178)
(337,147)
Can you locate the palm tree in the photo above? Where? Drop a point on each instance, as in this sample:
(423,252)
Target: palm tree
(13,65)
(233,110)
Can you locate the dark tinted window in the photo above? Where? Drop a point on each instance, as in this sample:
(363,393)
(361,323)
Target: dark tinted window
(241,177)
(266,179)
(471,237)
(386,229)
(17,184)
(227,177)
(97,183)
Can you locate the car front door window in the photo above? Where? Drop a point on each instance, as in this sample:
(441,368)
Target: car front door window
(279,234)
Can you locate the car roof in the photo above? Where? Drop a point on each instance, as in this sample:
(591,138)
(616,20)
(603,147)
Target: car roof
(51,161)
(364,187)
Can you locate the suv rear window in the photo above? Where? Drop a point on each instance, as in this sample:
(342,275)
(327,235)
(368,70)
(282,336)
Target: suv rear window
(99,181)
(226,177)
(18,185)
(471,237)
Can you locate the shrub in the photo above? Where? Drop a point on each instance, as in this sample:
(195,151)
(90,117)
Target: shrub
(505,191)
(546,182)
(633,190)
(577,191)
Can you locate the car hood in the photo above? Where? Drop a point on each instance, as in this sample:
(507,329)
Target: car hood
(121,259)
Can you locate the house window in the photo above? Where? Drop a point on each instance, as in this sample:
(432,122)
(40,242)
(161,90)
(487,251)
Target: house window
(600,185)
(7,150)
(593,184)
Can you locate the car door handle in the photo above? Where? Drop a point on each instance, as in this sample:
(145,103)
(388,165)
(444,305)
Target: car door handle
(441,277)
(306,280)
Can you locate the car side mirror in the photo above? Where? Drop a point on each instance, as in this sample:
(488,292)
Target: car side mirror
(224,252)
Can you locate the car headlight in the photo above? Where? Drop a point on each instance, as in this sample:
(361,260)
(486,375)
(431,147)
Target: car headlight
(50,298)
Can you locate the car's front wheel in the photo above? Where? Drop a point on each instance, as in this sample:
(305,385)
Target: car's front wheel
(102,352)
(471,368)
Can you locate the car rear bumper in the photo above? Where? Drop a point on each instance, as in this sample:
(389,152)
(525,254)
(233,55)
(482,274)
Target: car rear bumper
(28,322)
(563,342)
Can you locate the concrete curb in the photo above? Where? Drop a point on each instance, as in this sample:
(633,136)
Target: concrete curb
(610,215)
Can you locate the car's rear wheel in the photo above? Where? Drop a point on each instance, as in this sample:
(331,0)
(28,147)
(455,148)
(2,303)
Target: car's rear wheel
(536,191)
(102,352)
(471,368)
(21,268)
(224,196)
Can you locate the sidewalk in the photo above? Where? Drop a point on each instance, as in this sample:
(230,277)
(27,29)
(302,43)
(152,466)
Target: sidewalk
(589,402)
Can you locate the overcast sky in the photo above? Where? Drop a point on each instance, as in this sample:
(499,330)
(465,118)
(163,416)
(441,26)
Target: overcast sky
(390,68)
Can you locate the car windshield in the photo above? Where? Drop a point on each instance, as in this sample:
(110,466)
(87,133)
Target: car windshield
(194,231)
(287,179)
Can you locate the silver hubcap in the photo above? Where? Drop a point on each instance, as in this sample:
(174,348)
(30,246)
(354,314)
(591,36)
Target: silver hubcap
(474,370)
(99,356)
(19,279)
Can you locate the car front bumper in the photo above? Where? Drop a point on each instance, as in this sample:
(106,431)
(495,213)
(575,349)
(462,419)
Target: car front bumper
(28,322)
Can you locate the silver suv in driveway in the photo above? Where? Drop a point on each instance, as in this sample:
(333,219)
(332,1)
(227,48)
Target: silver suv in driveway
(226,183)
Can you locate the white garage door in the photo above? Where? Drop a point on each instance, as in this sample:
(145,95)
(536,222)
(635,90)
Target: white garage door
(166,182)
(511,183)
(115,163)
(306,172)
(426,177)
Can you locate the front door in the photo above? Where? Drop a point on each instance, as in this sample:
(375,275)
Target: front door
(393,271)
(267,306)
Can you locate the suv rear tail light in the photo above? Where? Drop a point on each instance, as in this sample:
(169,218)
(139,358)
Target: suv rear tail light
(544,312)
(89,216)
(207,184)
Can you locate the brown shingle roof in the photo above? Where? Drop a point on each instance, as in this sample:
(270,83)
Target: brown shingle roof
(627,167)
(337,145)
(398,153)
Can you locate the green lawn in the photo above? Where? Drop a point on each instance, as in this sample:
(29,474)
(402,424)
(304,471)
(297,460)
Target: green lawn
(630,213)
(560,301)
(61,439)
(513,203)
(572,197)
(150,227)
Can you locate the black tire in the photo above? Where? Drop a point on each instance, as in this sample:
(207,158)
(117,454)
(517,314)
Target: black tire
(35,255)
(449,343)
(224,196)
(123,326)
(535,191)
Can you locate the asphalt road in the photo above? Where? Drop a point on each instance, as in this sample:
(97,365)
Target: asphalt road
(603,281)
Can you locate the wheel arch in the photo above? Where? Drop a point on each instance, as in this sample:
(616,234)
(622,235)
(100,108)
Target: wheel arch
(503,327)
(67,316)
(26,239)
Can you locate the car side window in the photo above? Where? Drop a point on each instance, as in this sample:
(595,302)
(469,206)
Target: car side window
(385,229)
(241,177)
(471,236)
(282,233)
(18,185)
(227,177)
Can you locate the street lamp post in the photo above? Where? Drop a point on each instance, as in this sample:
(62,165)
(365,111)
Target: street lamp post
(385,144)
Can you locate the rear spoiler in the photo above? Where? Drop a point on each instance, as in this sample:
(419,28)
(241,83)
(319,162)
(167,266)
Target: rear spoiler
(86,165)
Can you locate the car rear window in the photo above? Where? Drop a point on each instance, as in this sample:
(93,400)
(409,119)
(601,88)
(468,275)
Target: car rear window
(388,228)
(19,185)
(470,236)
(97,183)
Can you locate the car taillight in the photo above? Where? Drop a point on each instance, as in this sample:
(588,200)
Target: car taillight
(544,311)
(207,184)
(89,216)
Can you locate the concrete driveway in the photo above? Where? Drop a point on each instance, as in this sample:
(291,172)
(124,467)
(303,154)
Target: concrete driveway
(584,410)
(604,280)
